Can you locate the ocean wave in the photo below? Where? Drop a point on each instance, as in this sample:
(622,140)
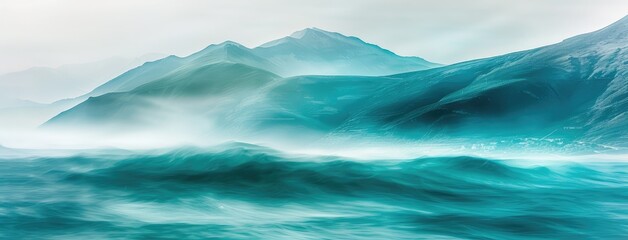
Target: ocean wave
(253,192)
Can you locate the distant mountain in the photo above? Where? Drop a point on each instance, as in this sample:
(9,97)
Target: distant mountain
(8,102)
(574,90)
(45,85)
(567,89)
(328,52)
(227,52)
(191,95)
(313,51)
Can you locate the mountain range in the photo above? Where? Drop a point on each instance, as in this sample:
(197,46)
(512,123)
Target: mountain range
(311,51)
(45,84)
(575,90)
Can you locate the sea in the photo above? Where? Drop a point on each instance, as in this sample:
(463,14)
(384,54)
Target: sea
(247,192)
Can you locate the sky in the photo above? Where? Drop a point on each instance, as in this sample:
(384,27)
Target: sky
(56,32)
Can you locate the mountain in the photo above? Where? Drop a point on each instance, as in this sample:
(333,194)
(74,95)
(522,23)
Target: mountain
(567,89)
(313,51)
(576,90)
(229,52)
(9,102)
(321,55)
(45,85)
(196,94)
(572,91)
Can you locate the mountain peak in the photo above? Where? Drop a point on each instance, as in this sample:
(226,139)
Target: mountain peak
(224,46)
(311,30)
(227,43)
(617,32)
(623,21)
(618,27)
(313,48)
(311,35)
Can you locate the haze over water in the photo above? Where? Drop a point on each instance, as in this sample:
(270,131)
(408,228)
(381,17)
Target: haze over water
(320,135)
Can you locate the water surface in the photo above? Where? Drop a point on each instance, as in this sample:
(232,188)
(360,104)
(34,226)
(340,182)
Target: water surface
(253,193)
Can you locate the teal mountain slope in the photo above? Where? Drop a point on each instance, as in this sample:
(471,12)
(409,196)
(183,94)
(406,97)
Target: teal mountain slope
(263,58)
(45,84)
(313,51)
(573,90)
(151,71)
(578,84)
(198,92)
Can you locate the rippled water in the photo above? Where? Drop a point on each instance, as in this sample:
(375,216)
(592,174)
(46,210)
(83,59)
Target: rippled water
(251,193)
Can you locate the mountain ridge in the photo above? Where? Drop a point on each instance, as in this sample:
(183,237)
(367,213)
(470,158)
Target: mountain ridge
(50,84)
(574,90)
(333,49)
(281,65)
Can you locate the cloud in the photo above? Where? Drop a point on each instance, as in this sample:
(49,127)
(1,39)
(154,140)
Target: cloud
(55,32)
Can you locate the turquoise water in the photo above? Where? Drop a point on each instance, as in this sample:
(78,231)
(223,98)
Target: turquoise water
(251,193)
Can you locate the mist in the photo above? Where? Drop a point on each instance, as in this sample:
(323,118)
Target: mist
(47,33)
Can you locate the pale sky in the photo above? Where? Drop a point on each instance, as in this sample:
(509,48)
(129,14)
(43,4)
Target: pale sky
(56,32)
